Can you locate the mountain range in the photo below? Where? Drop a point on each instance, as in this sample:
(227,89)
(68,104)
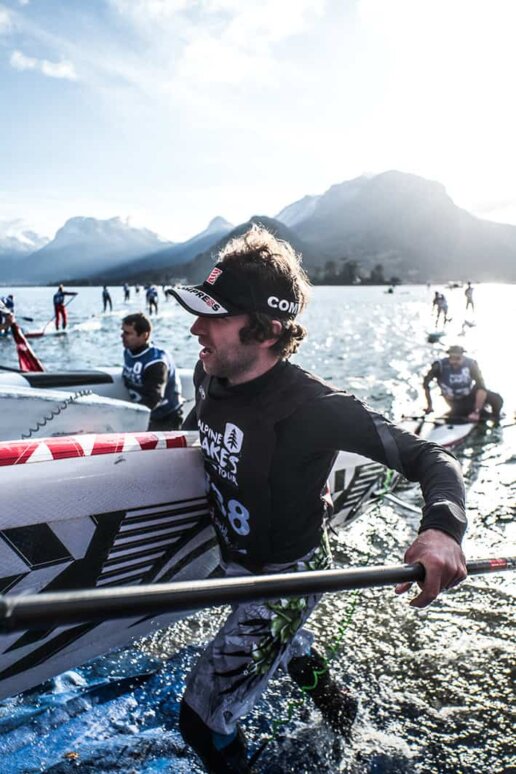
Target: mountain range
(406,223)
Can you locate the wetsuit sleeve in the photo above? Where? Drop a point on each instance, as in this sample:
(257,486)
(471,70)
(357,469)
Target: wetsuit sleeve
(155,379)
(341,421)
(190,423)
(477,376)
(432,374)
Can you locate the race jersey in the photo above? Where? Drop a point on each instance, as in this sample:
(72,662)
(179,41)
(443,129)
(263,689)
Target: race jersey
(135,366)
(151,294)
(7,303)
(268,448)
(59,297)
(458,382)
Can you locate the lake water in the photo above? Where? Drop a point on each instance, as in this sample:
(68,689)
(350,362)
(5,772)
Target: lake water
(434,686)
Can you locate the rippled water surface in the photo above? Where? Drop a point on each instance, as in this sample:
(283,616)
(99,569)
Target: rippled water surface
(434,686)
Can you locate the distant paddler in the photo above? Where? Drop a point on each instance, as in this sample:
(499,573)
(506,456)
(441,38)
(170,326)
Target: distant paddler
(151,296)
(106,300)
(462,386)
(440,304)
(469,297)
(60,306)
(6,313)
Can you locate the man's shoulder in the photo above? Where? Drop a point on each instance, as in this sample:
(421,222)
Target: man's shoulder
(295,373)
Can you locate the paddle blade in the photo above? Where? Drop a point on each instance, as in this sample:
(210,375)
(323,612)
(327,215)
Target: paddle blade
(26,357)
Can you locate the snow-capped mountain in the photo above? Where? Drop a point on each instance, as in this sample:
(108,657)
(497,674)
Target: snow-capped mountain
(298,211)
(164,261)
(85,246)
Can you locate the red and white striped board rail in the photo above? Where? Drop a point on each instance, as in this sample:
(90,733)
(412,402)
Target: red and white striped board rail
(90,445)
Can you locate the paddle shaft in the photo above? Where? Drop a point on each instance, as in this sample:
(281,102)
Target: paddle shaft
(41,611)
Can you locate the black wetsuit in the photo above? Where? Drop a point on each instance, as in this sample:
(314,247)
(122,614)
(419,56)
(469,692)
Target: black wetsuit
(269,446)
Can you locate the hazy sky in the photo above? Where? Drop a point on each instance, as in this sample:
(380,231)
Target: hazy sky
(173,111)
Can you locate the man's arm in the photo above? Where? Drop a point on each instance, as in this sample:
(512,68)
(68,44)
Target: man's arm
(429,377)
(481,393)
(340,421)
(154,379)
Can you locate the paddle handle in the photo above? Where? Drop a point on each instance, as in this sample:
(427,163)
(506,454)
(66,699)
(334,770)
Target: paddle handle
(41,611)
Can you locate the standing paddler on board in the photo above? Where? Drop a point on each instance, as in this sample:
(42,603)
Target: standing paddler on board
(269,433)
(60,306)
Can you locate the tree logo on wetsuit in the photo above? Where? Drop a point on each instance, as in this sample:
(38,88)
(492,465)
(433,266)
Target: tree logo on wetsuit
(222,451)
(233,438)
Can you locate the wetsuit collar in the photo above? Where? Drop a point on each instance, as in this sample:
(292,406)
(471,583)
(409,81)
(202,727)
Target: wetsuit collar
(219,388)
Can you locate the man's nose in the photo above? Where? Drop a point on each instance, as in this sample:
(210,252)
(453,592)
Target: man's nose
(198,327)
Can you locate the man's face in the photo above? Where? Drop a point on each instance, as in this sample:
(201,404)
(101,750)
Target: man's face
(132,340)
(222,353)
(456,360)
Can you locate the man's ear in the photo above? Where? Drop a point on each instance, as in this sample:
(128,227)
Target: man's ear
(277,330)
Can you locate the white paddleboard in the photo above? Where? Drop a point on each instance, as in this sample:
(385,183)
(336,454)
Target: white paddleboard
(96,511)
(446,433)
(108,510)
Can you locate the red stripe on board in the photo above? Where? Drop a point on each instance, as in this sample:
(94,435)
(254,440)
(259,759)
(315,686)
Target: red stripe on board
(17,453)
(146,440)
(68,447)
(108,443)
(64,447)
(178,442)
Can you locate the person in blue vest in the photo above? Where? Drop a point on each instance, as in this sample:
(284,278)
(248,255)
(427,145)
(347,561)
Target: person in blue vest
(60,306)
(127,292)
(269,433)
(6,313)
(150,374)
(151,297)
(462,386)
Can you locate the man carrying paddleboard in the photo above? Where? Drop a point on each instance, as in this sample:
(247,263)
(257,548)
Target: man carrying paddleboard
(269,434)
(462,386)
(150,374)
(60,306)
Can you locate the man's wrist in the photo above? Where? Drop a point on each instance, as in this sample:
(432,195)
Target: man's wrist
(447,517)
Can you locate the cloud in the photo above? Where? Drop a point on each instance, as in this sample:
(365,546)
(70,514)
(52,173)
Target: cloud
(63,69)
(5,20)
(217,41)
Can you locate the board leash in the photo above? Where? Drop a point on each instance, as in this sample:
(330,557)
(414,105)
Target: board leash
(55,412)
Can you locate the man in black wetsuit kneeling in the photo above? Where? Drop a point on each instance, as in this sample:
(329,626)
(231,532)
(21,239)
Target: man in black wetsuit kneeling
(269,433)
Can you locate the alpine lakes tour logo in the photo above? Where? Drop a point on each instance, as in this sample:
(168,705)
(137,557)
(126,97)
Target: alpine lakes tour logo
(223,450)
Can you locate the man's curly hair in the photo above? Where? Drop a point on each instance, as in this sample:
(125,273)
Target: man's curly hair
(261,255)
